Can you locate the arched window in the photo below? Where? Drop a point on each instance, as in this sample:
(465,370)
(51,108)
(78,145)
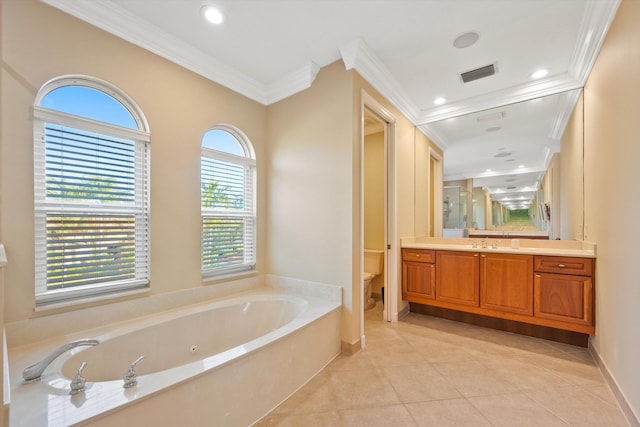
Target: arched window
(91,182)
(227,188)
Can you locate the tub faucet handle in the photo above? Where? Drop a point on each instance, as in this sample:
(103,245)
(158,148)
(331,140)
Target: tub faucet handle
(130,377)
(78,383)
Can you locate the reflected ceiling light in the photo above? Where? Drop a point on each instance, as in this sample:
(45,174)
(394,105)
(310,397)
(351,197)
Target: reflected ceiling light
(466,40)
(212,14)
(539,73)
(440,100)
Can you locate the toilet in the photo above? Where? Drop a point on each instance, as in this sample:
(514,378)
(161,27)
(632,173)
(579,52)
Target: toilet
(373,266)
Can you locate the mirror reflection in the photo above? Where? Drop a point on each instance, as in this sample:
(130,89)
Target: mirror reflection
(502,168)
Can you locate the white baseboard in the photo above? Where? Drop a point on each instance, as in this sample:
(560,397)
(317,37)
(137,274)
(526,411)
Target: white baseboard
(627,410)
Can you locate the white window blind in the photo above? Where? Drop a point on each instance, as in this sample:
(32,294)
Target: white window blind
(91,207)
(228,212)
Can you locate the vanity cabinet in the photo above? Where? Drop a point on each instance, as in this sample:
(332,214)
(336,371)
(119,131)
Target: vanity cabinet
(418,275)
(563,288)
(506,283)
(457,277)
(550,291)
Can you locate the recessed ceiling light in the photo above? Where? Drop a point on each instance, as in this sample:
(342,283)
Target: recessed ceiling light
(440,100)
(520,166)
(212,14)
(466,39)
(539,73)
(493,129)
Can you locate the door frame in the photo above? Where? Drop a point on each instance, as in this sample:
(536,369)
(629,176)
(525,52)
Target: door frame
(438,185)
(392,244)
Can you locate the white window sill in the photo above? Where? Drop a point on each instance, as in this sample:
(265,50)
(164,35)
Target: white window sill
(43,308)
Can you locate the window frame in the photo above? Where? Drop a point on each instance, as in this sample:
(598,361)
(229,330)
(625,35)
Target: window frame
(138,209)
(249,211)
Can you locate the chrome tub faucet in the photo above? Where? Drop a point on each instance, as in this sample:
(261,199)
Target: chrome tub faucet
(33,373)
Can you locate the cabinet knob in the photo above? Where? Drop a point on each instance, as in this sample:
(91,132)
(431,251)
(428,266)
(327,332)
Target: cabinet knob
(537,275)
(561,265)
(475,254)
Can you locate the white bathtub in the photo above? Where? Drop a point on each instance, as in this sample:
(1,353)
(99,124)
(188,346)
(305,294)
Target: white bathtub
(227,362)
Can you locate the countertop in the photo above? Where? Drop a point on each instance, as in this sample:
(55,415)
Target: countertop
(572,248)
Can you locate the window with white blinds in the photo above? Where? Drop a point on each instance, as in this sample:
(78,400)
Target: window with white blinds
(227,185)
(91,179)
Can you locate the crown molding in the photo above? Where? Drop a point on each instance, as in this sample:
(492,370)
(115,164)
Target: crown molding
(112,18)
(357,55)
(109,16)
(596,21)
(292,83)
(563,113)
(434,136)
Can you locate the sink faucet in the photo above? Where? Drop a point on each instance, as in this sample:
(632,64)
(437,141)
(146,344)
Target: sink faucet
(484,243)
(33,373)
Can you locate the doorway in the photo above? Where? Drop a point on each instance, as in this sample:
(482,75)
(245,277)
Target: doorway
(377,209)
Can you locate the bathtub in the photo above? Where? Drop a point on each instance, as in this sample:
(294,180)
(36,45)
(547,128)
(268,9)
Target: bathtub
(227,362)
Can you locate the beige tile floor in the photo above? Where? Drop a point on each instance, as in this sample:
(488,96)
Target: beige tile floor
(425,371)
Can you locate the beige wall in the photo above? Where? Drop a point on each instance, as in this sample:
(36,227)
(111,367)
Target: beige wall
(374,191)
(571,188)
(612,197)
(423,194)
(314,185)
(311,204)
(40,43)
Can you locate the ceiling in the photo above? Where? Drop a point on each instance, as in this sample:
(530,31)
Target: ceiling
(268,50)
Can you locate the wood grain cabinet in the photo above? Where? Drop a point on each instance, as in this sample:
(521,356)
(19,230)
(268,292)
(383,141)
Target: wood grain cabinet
(418,275)
(457,277)
(548,291)
(506,283)
(563,288)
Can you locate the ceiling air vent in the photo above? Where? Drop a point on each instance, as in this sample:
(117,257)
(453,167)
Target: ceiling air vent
(478,73)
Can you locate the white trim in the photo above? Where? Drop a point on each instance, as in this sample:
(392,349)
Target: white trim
(109,16)
(438,186)
(566,104)
(632,418)
(139,208)
(91,125)
(97,84)
(357,55)
(114,19)
(390,312)
(292,83)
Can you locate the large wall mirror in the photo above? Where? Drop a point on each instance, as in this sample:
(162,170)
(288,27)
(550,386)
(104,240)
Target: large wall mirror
(514,170)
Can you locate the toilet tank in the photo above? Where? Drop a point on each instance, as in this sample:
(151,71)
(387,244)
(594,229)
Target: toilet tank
(373,261)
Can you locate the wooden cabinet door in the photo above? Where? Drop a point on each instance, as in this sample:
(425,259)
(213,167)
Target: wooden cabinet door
(506,283)
(457,277)
(564,297)
(418,279)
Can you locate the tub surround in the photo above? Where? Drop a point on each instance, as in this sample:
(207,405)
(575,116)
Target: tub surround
(571,248)
(236,387)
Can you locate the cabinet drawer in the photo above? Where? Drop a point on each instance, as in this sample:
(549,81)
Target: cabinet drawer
(563,265)
(418,255)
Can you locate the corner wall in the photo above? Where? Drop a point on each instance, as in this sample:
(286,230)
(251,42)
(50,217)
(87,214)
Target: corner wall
(612,197)
(311,155)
